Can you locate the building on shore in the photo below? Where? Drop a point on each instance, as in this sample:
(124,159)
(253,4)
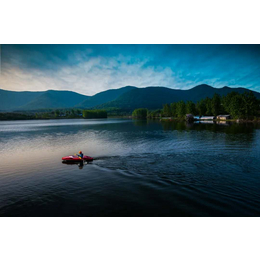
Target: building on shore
(223,117)
(207,117)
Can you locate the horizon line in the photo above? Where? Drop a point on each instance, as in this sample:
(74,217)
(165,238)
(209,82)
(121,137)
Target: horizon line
(60,90)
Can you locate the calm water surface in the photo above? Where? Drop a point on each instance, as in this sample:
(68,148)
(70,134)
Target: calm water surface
(142,168)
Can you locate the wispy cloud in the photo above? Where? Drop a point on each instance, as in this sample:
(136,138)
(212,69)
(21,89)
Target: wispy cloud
(88,77)
(89,69)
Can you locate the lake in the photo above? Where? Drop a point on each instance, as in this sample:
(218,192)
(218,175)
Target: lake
(141,168)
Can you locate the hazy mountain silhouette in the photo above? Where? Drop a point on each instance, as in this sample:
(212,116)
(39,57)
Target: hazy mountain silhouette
(104,97)
(54,99)
(125,98)
(10,100)
(156,97)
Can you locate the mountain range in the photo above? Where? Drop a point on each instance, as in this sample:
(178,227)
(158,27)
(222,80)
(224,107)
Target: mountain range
(127,98)
(156,97)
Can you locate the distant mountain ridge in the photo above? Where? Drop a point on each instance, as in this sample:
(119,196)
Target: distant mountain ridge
(128,98)
(54,99)
(10,100)
(104,97)
(156,97)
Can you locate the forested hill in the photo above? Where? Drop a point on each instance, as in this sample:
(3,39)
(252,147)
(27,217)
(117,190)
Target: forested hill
(156,97)
(11,100)
(128,98)
(54,99)
(26,100)
(104,97)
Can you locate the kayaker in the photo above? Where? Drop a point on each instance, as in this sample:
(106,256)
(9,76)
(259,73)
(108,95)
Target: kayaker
(80,155)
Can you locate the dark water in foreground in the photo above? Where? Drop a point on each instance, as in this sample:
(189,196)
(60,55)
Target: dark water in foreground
(141,169)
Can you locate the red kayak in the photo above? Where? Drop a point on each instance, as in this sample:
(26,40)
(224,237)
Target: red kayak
(74,158)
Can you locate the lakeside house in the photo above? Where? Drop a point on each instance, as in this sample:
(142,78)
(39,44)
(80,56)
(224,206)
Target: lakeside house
(207,117)
(191,118)
(223,117)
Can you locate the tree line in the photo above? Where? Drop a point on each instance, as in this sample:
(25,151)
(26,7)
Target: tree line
(237,105)
(96,113)
(59,113)
(42,114)
(242,106)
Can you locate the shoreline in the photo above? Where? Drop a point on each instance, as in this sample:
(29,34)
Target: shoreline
(243,121)
(214,120)
(22,119)
(58,118)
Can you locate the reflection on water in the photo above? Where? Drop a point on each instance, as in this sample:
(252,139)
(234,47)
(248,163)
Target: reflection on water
(141,168)
(79,164)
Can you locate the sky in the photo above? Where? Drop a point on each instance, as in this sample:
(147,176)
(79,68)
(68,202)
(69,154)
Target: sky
(89,69)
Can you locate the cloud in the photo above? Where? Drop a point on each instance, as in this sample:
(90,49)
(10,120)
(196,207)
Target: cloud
(89,69)
(87,77)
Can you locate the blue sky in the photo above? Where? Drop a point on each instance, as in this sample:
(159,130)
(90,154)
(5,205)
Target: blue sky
(89,69)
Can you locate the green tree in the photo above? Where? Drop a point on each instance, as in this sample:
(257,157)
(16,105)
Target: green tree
(166,110)
(181,109)
(208,104)
(154,113)
(226,101)
(250,104)
(173,109)
(140,113)
(191,108)
(241,105)
(201,107)
(97,113)
(46,115)
(236,106)
(57,113)
(216,104)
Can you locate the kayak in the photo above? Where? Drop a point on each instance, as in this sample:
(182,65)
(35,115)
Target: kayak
(74,158)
